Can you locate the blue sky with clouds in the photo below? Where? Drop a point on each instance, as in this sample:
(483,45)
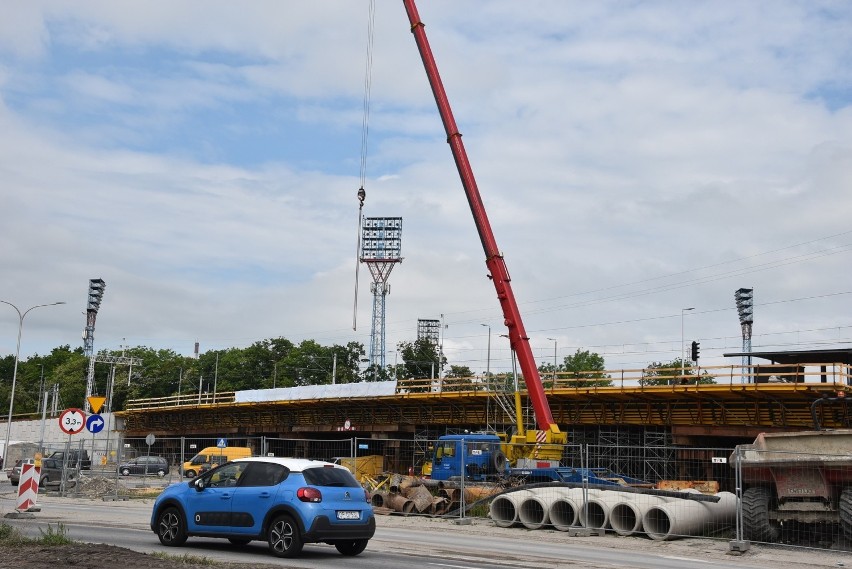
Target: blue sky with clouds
(635,159)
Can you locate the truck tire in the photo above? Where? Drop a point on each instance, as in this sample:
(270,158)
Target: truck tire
(756,523)
(846,511)
(498,461)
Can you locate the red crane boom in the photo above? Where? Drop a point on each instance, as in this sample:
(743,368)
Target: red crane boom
(498,273)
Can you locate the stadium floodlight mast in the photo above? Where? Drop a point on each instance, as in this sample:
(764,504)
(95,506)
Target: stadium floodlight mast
(21,316)
(744,298)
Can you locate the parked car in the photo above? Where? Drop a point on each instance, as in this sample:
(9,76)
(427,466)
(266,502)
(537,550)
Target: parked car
(15,473)
(75,457)
(51,471)
(144,465)
(286,502)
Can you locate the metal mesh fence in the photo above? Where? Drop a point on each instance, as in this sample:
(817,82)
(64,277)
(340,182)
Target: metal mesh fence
(796,498)
(750,494)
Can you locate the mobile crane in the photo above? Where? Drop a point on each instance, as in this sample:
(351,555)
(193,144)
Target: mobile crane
(545,443)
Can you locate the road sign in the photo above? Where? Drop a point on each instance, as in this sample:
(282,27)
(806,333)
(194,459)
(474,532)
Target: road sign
(72,421)
(222,443)
(95,403)
(95,424)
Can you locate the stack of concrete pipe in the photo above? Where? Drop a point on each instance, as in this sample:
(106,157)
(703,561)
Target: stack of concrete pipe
(626,513)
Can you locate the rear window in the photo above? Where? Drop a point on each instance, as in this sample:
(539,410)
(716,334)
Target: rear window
(327,476)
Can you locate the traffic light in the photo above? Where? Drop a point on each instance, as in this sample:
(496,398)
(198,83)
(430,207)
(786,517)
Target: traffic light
(695,346)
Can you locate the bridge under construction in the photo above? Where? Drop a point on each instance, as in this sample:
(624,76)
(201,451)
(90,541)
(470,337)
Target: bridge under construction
(632,406)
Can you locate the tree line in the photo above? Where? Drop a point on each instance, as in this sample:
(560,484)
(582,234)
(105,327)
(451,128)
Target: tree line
(266,364)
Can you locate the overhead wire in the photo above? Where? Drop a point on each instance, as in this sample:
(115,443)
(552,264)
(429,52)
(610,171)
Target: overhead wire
(365,129)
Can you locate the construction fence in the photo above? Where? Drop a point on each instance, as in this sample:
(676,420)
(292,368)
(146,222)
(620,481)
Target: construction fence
(743,495)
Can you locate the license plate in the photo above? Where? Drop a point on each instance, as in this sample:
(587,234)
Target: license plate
(348,515)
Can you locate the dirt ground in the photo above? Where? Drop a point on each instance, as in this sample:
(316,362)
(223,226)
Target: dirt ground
(91,556)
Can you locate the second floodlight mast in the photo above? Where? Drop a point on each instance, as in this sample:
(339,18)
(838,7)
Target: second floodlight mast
(498,272)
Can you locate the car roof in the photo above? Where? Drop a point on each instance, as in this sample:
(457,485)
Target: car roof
(292,464)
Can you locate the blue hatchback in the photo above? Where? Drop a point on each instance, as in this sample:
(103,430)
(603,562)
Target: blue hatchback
(285,501)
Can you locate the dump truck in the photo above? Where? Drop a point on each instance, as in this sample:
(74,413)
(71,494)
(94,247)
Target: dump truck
(803,477)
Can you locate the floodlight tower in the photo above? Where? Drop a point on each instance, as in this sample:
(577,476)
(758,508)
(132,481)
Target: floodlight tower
(745,307)
(381,249)
(96,294)
(428,330)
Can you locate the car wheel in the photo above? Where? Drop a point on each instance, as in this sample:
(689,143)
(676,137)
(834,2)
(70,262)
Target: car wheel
(44,480)
(351,547)
(190,474)
(125,472)
(171,529)
(283,536)
(239,540)
(13,482)
(161,473)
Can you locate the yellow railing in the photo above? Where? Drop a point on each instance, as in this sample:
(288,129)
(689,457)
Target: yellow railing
(180,401)
(805,375)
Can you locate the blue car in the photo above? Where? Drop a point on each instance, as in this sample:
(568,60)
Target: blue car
(286,502)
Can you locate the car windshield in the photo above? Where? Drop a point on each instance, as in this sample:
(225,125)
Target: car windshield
(325,476)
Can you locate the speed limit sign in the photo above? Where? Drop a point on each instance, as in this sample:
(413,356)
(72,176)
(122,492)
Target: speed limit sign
(72,421)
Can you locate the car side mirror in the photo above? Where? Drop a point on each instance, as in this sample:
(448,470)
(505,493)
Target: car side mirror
(199,484)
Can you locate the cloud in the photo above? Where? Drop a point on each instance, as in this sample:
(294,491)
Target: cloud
(203,159)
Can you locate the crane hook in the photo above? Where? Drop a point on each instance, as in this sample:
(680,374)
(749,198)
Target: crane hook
(362,195)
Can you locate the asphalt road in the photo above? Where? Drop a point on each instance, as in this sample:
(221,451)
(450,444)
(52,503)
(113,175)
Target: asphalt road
(409,542)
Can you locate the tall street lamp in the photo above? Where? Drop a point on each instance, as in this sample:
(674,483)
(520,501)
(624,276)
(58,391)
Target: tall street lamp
(15,372)
(488,361)
(682,356)
(554,359)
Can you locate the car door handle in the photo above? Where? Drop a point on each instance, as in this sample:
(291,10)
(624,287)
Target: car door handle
(226,496)
(264,495)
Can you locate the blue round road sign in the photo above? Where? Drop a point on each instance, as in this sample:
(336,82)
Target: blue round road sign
(95,424)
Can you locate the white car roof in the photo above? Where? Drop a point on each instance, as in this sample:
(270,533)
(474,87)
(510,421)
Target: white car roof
(293,464)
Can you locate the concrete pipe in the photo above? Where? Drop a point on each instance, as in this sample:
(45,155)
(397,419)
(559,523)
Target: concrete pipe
(595,512)
(534,512)
(625,516)
(504,508)
(565,510)
(679,518)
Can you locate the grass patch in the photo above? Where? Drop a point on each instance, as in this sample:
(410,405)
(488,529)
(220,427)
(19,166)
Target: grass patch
(11,536)
(58,536)
(185,559)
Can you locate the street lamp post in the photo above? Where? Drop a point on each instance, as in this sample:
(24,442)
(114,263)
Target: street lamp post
(488,360)
(554,359)
(21,317)
(682,356)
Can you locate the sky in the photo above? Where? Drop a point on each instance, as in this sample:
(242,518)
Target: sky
(635,159)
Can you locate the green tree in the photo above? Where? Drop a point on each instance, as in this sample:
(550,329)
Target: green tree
(587,369)
(348,361)
(420,358)
(461,379)
(421,361)
(658,373)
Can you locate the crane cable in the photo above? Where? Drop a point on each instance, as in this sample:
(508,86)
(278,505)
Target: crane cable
(365,129)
